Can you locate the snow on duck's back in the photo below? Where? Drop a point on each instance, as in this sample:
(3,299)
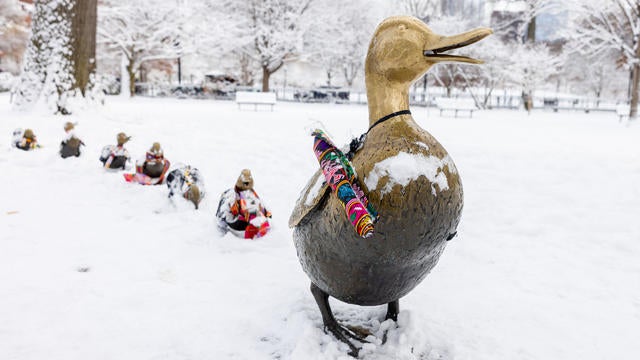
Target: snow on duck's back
(405,167)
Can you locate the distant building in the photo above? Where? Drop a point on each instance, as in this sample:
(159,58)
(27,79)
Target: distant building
(508,24)
(14,36)
(507,17)
(549,26)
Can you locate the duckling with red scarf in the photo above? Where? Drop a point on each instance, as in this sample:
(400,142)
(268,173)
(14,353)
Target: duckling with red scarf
(241,210)
(152,169)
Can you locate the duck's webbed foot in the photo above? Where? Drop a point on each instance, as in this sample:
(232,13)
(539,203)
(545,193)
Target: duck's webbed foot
(343,334)
(393,308)
(330,324)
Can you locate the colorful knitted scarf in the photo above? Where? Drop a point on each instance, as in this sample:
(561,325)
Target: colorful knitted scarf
(342,180)
(141,178)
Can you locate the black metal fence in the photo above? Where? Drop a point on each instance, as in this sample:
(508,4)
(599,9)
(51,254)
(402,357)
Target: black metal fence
(501,99)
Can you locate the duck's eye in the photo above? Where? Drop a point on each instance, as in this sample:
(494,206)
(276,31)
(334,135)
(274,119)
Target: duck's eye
(402,27)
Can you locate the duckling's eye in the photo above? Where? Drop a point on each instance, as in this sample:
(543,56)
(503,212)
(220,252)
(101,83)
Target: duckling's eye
(402,27)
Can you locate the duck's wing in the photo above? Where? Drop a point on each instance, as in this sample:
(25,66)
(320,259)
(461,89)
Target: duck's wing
(309,198)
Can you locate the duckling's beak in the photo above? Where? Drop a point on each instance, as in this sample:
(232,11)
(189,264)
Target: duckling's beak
(439,44)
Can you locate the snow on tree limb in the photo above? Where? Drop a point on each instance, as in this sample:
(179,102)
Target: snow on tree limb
(143,30)
(610,26)
(273,30)
(48,66)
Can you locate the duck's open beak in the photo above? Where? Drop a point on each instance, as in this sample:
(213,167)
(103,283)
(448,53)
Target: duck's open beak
(440,44)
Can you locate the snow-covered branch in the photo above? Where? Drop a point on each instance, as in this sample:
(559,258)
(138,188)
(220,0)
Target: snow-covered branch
(142,31)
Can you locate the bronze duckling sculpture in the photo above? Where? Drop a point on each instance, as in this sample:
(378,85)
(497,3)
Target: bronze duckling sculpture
(70,146)
(407,175)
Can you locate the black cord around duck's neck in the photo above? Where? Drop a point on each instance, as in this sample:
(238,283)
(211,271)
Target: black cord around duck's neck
(387,117)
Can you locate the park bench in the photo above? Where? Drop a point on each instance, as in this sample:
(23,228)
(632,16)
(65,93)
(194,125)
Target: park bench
(255,99)
(456,105)
(622,110)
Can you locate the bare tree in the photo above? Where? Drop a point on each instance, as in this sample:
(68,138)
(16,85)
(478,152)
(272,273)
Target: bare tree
(611,25)
(273,28)
(449,75)
(140,31)
(598,75)
(481,81)
(247,73)
(339,43)
(208,36)
(532,64)
(527,12)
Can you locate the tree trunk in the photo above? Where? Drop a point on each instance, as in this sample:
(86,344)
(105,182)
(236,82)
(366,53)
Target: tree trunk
(246,70)
(346,76)
(124,76)
(131,71)
(527,99)
(531,30)
(633,114)
(83,43)
(424,88)
(265,78)
(63,76)
(54,70)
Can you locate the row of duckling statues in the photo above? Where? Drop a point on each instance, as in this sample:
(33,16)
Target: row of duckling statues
(334,235)
(70,146)
(240,209)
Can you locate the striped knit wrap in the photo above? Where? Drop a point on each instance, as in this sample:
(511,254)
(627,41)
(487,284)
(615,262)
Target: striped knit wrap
(342,179)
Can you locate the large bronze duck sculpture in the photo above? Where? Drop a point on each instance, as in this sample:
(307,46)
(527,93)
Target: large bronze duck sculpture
(407,175)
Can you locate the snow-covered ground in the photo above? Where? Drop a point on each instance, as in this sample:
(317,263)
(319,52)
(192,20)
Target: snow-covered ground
(546,264)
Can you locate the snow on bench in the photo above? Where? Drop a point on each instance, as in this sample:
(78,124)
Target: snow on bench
(455,105)
(622,110)
(255,98)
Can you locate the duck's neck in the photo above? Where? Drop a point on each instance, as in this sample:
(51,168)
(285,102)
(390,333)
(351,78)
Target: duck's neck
(384,97)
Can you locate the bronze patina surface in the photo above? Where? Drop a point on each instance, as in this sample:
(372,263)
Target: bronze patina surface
(416,218)
(415,222)
(70,148)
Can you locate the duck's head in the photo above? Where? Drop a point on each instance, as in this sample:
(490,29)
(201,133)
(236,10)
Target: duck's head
(156,149)
(403,48)
(194,195)
(245,180)
(28,134)
(122,138)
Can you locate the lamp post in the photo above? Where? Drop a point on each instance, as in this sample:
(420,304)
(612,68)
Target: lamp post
(179,3)
(179,70)
(284,84)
